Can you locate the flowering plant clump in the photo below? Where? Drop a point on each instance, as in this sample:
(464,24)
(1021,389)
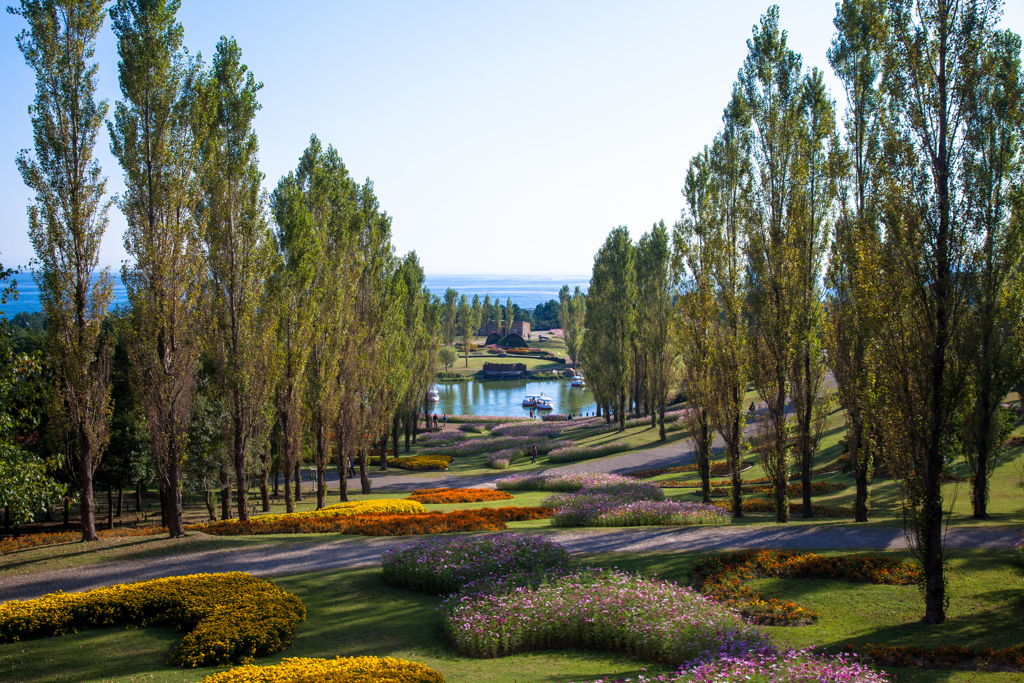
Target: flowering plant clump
(944,657)
(486,419)
(446,436)
(597,610)
(447,496)
(787,667)
(575,453)
(9,545)
(583,509)
(338,670)
(723,577)
(597,482)
(503,459)
(442,566)
(485,445)
(229,617)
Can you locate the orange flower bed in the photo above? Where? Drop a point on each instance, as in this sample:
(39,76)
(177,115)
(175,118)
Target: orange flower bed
(443,496)
(9,545)
(724,576)
(483,519)
(944,657)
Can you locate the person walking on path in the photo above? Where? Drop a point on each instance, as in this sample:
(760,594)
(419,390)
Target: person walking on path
(533,455)
(444,419)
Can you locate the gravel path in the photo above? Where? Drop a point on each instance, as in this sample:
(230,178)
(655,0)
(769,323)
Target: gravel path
(364,552)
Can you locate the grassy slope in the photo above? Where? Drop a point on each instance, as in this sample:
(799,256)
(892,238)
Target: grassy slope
(354,613)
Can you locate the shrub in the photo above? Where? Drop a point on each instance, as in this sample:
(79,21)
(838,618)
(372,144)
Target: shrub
(442,566)
(440,437)
(473,428)
(535,428)
(309,522)
(723,577)
(448,496)
(228,618)
(593,609)
(595,482)
(484,445)
(788,667)
(501,460)
(338,670)
(575,453)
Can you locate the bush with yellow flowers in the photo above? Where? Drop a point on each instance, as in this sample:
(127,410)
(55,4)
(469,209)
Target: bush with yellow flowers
(228,618)
(310,522)
(338,670)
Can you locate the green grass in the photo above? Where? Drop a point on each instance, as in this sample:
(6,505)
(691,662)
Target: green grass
(353,613)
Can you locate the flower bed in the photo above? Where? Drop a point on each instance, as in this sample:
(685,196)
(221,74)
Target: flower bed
(595,610)
(534,428)
(764,505)
(787,667)
(944,657)
(583,509)
(445,436)
(309,522)
(485,445)
(418,463)
(485,419)
(442,566)
(228,618)
(503,459)
(447,496)
(576,453)
(723,578)
(612,484)
(10,545)
(338,670)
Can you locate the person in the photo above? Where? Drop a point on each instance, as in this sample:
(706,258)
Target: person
(351,467)
(444,419)
(751,409)
(435,421)
(533,455)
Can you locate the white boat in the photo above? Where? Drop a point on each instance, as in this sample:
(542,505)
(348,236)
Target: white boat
(544,403)
(577,381)
(433,396)
(530,401)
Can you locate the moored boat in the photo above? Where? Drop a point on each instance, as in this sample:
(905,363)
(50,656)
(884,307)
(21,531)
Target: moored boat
(433,396)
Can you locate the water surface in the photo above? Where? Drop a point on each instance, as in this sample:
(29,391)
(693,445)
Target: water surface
(505,397)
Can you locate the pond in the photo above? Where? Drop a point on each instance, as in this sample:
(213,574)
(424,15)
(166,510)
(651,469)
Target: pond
(505,397)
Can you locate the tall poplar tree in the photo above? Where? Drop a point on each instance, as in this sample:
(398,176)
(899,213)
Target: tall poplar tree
(572,317)
(152,138)
(241,256)
(449,321)
(770,81)
(935,55)
(67,222)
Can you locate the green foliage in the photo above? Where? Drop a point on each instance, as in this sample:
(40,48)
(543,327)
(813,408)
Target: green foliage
(447,356)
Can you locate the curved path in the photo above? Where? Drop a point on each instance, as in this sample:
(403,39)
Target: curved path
(364,552)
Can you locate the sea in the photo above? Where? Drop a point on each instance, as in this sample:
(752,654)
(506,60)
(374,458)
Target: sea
(526,291)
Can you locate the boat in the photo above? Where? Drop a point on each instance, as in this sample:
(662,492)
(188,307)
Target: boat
(530,401)
(433,396)
(544,403)
(577,381)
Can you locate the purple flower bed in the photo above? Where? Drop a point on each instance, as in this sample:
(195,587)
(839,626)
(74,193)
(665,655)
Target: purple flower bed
(787,667)
(596,610)
(486,419)
(444,565)
(575,453)
(600,483)
(535,428)
(588,509)
(484,445)
(503,459)
(437,438)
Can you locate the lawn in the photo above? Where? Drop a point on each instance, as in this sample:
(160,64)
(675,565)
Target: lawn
(354,613)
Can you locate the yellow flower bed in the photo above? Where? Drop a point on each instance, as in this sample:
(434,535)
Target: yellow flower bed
(230,617)
(338,670)
(384,506)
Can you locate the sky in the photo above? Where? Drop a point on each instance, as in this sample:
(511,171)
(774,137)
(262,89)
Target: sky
(504,138)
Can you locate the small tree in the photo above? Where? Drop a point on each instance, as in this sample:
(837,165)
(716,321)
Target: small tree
(447,355)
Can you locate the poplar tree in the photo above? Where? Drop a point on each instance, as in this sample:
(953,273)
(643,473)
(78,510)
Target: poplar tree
(152,138)
(572,316)
(770,82)
(922,292)
(465,318)
(654,318)
(610,310)
(241,257)
(857,55)
(449,321)
(67,222)
(994,179)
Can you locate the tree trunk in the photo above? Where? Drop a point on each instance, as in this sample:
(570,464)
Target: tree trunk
(138,497)
(407,423)
(364,477)
(240,481)
(225,494)
(322,458)
(110,508)
(120,500)
(662,434)
(277,482)
(174,524)
(67,512)
(85,476)
(289,501)
(383,447)
(979,484)
(704,458)
(211,508)
(298,481)
(264,477)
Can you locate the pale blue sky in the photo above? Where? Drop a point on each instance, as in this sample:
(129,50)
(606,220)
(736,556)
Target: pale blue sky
(503,137)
